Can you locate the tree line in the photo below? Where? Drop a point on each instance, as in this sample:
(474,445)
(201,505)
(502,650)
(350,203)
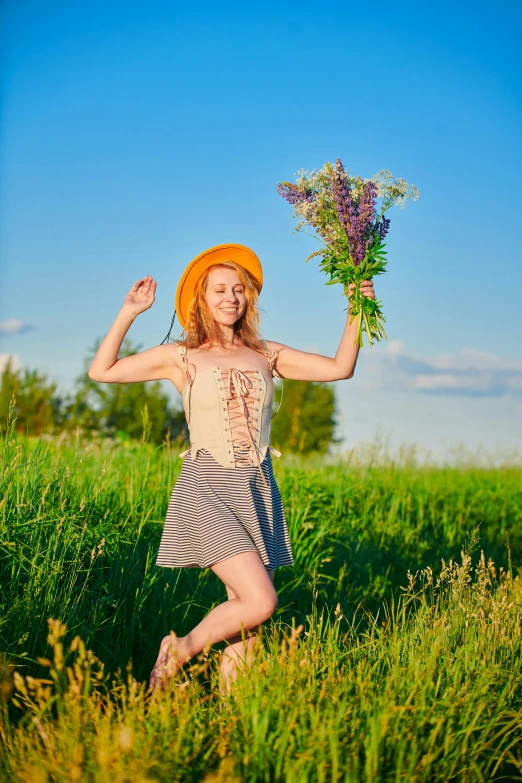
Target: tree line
(304,424)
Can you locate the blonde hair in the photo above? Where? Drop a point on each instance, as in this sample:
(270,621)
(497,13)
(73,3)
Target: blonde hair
(201,330)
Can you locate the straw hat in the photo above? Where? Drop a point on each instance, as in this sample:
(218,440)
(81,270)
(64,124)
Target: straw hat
(239,253)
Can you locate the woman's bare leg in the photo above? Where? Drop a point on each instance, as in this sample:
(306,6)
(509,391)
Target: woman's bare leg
(254,601)
(237,650)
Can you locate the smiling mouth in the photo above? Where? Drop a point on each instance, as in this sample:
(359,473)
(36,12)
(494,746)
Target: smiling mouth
(229,309)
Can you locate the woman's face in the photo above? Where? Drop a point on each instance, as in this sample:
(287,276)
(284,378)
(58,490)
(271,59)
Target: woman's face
(225,295)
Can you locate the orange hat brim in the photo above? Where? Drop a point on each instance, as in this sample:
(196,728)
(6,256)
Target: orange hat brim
(239,253)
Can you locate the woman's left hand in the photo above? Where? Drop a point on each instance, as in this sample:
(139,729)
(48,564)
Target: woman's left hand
(366,288)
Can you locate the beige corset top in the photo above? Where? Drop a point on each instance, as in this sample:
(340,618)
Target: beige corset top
(228,412)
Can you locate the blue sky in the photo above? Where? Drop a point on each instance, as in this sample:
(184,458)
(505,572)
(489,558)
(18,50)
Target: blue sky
(135,135)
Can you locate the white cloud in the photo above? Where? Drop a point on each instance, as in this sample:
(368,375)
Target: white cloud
(469,360)
(15,326)
(394,346)
(467,372)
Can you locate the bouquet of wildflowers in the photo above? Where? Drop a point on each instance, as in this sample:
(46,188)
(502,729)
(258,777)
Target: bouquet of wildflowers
(342,211)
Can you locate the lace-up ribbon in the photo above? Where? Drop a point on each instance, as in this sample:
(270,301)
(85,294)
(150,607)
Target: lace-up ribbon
(242,384)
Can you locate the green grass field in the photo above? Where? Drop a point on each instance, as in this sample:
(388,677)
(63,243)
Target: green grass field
(394,653)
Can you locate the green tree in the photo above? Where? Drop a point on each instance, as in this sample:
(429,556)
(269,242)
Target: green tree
(119,407)
(307,418)
(37,403)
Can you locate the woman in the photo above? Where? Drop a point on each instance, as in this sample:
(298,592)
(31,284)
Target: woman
(225,511)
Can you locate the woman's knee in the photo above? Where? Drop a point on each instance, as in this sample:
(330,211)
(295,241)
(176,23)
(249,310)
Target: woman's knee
(274,600)
(264,605)
(247,579)
(256,608)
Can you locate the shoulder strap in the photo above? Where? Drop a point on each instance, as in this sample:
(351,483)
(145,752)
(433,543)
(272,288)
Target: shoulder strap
(272,356)
(182,350)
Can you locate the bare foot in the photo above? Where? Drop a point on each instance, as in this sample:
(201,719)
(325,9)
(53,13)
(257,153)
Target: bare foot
(170,660)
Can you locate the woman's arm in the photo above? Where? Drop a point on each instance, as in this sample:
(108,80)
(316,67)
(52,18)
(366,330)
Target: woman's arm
(155,364)
(302,366)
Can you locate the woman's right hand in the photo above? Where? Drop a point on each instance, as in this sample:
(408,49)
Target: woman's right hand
(141,296)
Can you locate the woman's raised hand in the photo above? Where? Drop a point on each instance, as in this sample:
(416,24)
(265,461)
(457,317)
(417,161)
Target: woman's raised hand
(141,296)
(366,288)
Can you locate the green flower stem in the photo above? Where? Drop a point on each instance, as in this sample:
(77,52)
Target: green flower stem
(359,337)
(368,330)
(381,327)
(365,310)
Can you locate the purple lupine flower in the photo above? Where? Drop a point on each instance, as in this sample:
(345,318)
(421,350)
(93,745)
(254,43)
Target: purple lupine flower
(341,193)
(353,231)
(367,217)
(362,216)
(345,187)
(383,226)
(293,194)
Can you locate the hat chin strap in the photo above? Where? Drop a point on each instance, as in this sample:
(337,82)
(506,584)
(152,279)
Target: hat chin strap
(171,325)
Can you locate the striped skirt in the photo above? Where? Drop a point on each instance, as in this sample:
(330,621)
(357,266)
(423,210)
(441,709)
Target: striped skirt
(216,512)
